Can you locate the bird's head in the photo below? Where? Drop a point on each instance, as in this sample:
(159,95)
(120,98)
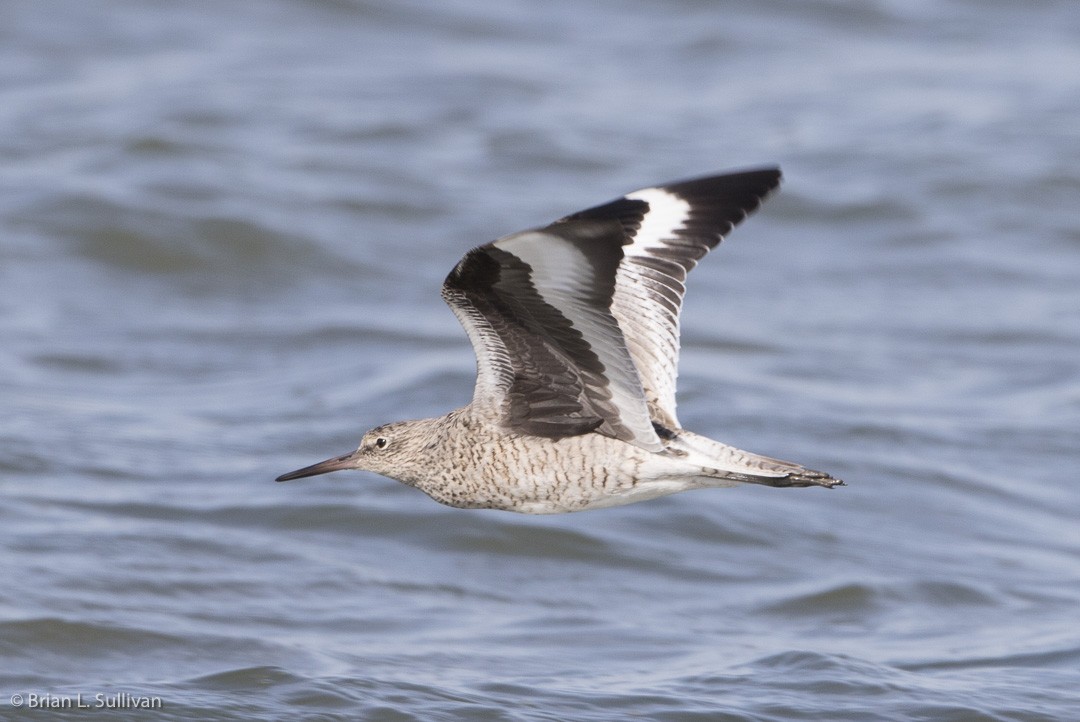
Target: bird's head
(390,450)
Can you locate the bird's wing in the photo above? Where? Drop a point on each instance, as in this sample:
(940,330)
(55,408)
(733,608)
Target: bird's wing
(576,325)
(668,229)
(551,358)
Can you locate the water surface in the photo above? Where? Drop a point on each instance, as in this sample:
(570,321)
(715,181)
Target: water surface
(222,232)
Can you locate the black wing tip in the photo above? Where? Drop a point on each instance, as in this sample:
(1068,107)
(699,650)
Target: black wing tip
(722,201)
(477,270)
(735,194)
(753,182)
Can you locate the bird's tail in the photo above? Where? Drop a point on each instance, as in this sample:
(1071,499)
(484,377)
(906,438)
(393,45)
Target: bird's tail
(723,462)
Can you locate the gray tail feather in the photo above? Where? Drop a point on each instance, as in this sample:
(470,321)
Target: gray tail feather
(803,477)
(736,465)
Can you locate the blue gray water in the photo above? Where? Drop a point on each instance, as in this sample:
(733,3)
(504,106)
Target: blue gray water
(223,227)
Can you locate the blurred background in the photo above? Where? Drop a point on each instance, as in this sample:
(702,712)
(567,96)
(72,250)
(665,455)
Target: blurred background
(223,228)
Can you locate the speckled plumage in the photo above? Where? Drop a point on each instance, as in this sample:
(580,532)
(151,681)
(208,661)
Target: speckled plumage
(575,328)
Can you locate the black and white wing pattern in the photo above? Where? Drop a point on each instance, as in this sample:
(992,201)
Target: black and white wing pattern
(551,359)
(576,325)
(669,228)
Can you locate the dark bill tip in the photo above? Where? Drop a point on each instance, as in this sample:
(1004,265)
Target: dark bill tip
(323,467)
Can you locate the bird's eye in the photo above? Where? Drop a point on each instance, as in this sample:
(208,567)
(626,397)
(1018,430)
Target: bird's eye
(381,442)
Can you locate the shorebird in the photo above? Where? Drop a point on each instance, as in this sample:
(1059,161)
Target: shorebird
(576,332)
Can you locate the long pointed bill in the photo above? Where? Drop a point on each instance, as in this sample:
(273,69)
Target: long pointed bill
(336,464)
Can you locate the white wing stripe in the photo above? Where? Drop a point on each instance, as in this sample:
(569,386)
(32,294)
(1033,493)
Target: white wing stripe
(559,271)
(647,299)
(667,214)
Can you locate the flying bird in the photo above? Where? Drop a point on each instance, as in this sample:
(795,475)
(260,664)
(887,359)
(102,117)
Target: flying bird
(576,332)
